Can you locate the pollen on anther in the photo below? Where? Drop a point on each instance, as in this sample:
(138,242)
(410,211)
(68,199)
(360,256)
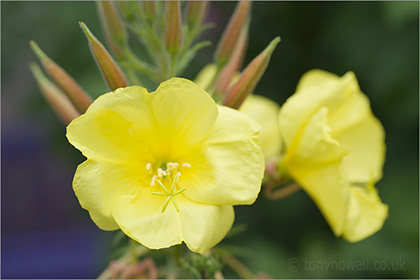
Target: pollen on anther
(186,165)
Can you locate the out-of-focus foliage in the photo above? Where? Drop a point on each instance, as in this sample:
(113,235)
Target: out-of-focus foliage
(379,41)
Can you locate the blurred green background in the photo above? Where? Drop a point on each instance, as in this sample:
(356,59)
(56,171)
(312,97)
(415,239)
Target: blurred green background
(379,41)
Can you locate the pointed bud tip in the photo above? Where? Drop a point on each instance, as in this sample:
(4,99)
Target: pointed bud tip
(273,44)
(86,30)
(37,50)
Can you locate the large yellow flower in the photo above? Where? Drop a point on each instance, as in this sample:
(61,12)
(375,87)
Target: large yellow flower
(167,166)
(335,151)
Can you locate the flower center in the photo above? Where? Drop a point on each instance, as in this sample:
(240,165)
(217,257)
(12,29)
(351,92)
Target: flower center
(171,173)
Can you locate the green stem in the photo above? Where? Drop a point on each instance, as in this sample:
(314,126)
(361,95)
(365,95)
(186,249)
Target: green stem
(237,266)
(133,245)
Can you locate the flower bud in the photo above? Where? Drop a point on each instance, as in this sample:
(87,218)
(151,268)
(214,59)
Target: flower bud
(126,9)
(112,27)
(55,97)
(149,10)
(111,72)
(111,21)
(249,78)
(71,88)
(196,12)
(233,67)
(231,34)
(173,26)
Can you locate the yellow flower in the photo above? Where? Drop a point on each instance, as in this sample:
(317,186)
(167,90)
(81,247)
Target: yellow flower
(167,166)
(259,108)
(335,151)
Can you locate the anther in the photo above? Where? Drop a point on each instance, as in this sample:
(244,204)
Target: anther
(186,165)
(148,166)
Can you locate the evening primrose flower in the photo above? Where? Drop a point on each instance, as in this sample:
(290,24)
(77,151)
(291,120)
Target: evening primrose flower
(166,167)
(335,151)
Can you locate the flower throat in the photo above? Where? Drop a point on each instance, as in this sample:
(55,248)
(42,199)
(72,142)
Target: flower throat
(172,172)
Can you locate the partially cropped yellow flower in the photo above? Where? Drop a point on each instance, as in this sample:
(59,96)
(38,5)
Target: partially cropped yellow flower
(335,151)
(167,166)
(257,107)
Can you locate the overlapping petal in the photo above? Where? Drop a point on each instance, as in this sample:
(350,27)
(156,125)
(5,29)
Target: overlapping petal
(184,114)
(109,134)
(265,112)
(97,184)
(332,93)
(365,143)
(228,168)
(366,213)
(140,217)
(314,160)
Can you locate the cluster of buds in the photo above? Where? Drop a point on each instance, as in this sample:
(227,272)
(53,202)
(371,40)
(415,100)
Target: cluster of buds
(169,33)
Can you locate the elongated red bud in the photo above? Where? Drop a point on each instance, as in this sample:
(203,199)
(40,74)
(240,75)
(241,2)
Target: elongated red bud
(110,70)
(71,88)
(231,34)
(58,101)
(233,67)
(149,10)
(173,26)
(196,12)
(250,77)
(112,27)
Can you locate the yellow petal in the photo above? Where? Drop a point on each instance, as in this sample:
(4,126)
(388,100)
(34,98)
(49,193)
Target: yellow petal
(265,112)
(229,167)
(115,128)
(200,226)
(366,214)
(204,225)
(184,114)
(313,144)
(328,188)
(314,160)
(315,77)
(334,94)
(140,217)
(365,142)
(97,185)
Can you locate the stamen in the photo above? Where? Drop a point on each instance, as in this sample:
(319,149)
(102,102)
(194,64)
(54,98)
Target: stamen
(153,180)
(186,165)
(166,204)
(161,173)
(175,204)
(171,167)
(160,183)
(178,192)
